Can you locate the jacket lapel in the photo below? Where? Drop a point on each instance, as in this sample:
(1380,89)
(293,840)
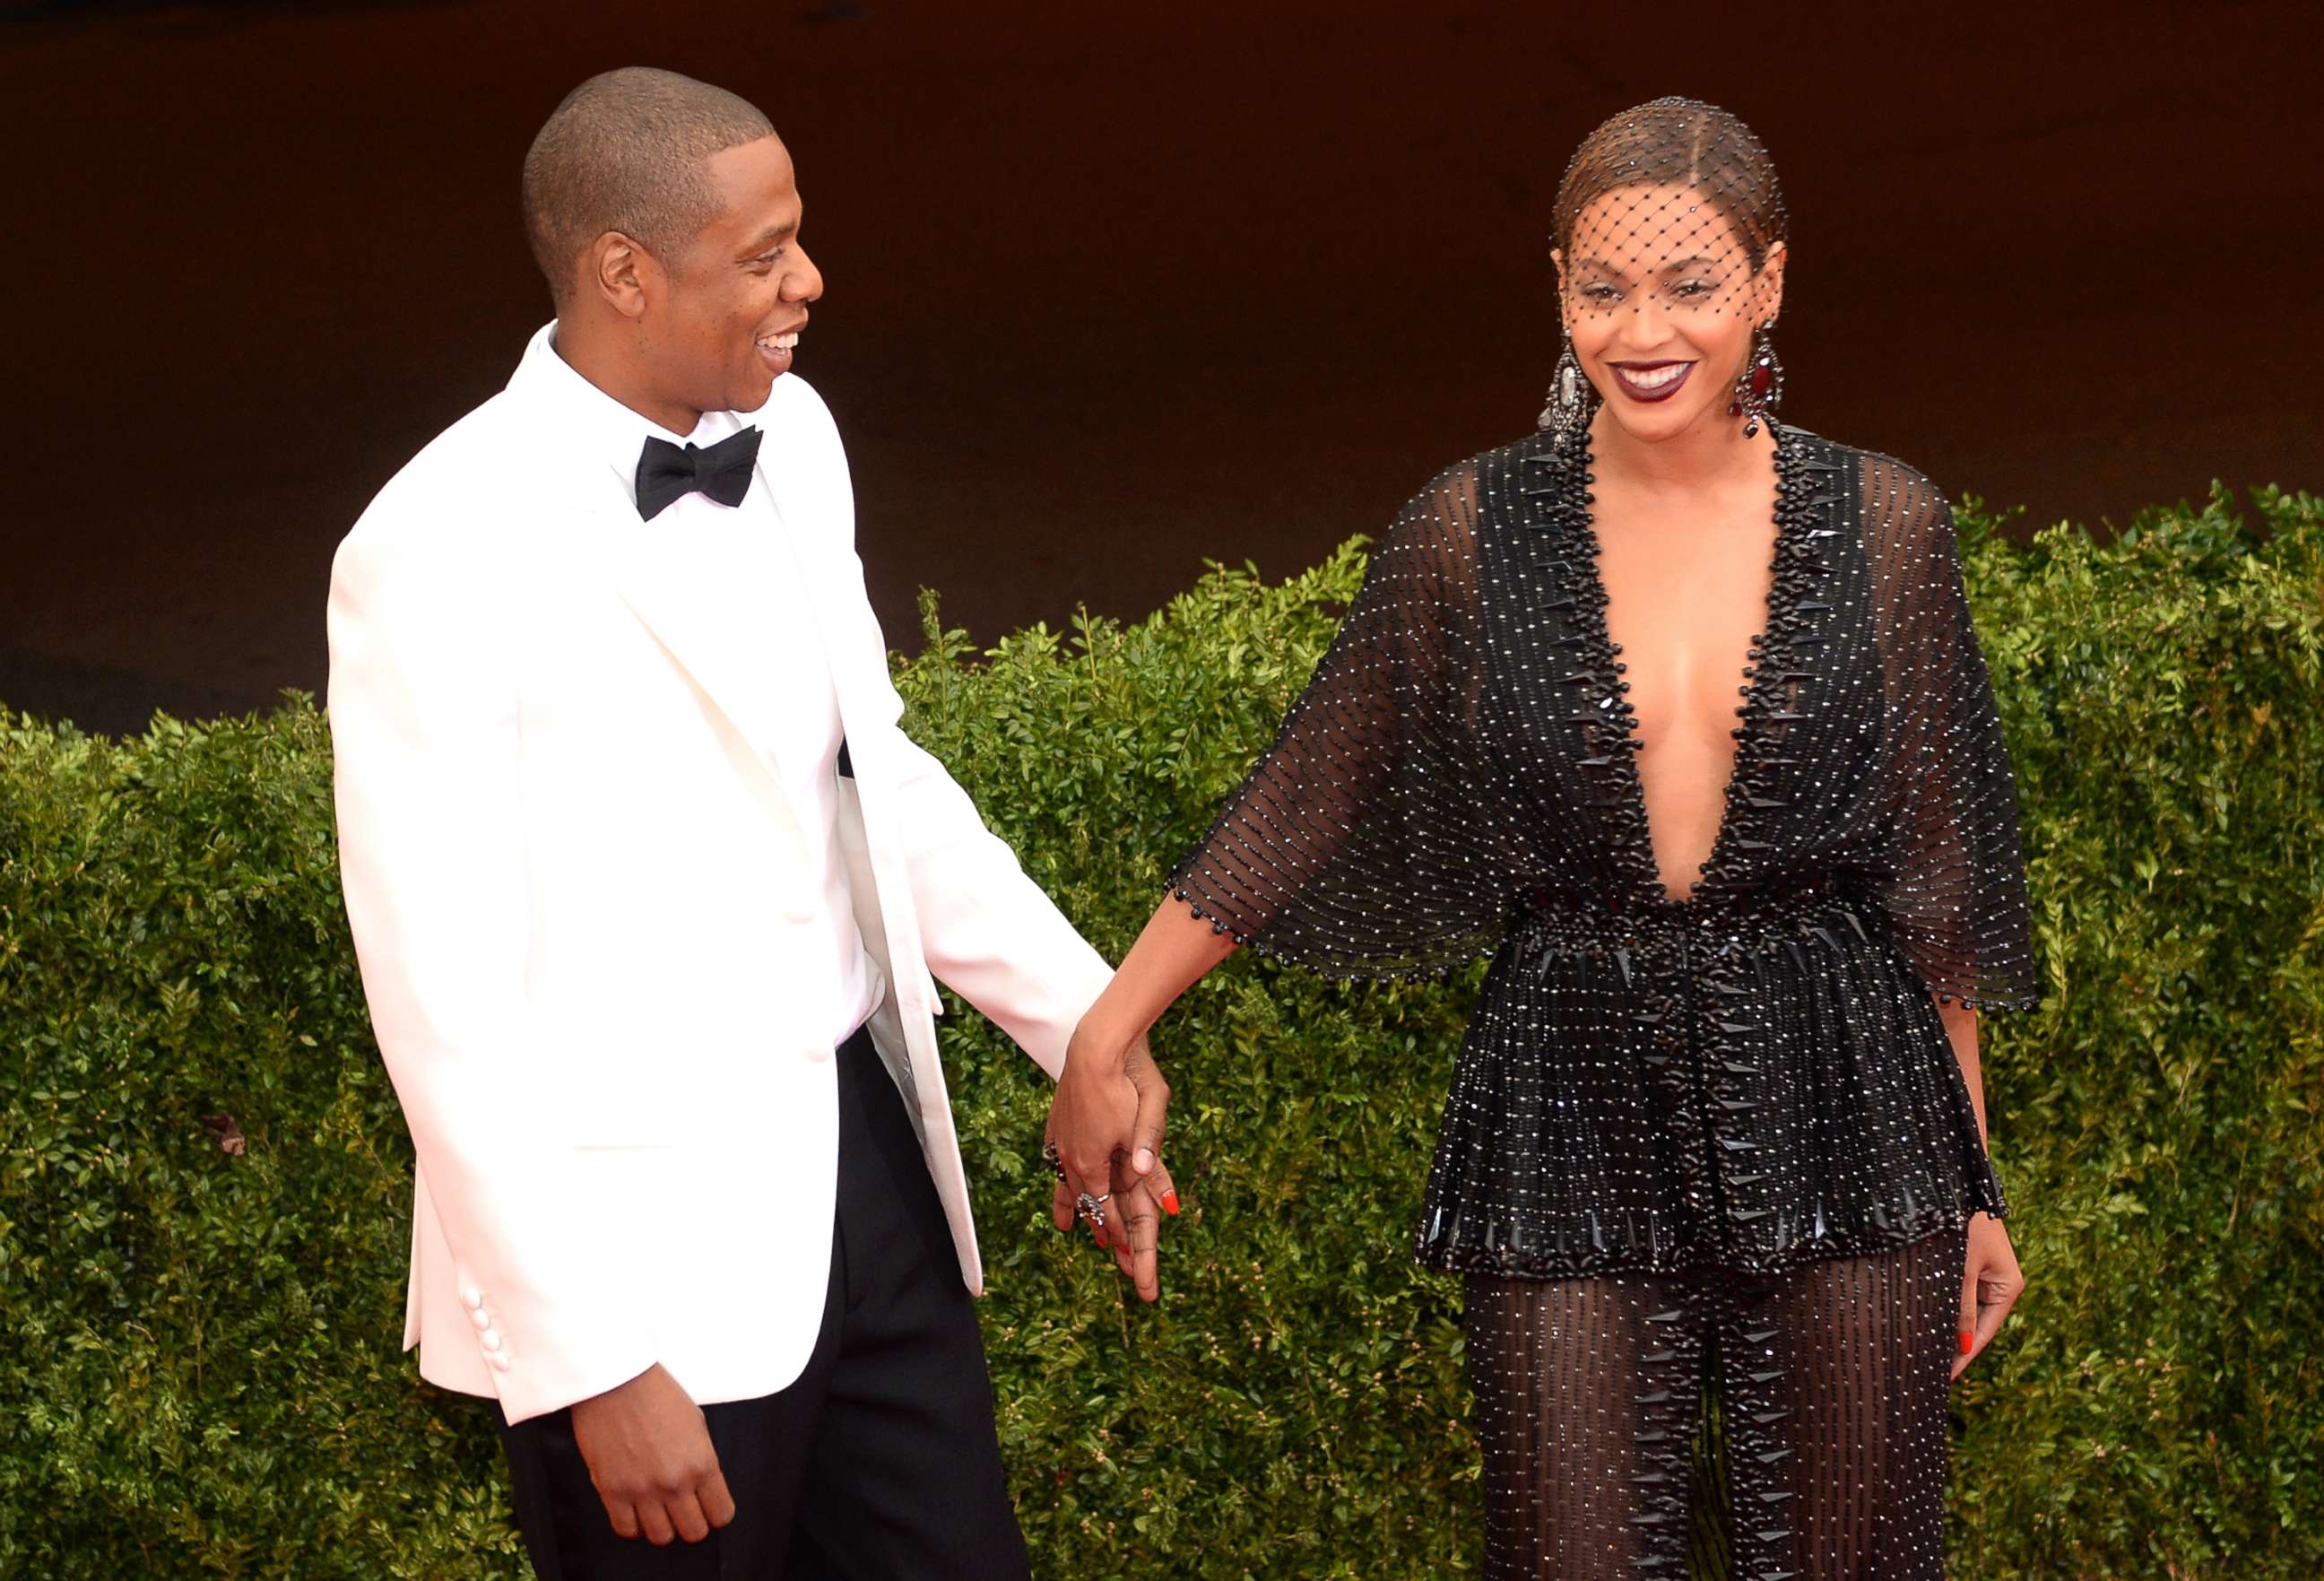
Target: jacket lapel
(824,583)
(832,585)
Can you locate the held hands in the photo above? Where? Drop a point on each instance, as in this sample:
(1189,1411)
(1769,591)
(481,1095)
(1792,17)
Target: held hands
(649,1453)
(1990,1286)
(1106,1122)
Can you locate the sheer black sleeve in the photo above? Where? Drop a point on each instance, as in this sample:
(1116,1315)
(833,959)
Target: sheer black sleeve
(1952,874)
(1367,842)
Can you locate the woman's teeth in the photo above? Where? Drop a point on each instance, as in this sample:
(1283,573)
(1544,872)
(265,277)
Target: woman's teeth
(1652,378)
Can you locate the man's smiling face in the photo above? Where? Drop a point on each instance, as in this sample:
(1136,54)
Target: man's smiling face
(733,300)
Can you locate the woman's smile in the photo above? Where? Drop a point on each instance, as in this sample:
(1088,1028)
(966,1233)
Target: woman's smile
(1650,381)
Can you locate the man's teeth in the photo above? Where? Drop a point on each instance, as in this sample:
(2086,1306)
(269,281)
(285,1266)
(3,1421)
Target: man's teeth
(1653,378)
(781,342)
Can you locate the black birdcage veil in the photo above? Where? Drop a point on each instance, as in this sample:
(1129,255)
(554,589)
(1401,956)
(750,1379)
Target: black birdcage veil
(1672,209)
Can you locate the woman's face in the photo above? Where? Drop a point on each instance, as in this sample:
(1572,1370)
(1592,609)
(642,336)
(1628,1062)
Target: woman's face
(1661,300)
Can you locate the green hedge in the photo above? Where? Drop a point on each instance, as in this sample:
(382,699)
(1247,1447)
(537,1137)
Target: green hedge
(204,1176)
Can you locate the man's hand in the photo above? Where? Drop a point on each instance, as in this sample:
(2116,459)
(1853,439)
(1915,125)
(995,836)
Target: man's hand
(1107,1121)
(648,1449)
(1133,1226)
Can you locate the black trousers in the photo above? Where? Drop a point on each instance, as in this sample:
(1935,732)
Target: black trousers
(880,1462)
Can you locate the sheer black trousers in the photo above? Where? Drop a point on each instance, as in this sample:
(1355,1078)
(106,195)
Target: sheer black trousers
(1717,1424)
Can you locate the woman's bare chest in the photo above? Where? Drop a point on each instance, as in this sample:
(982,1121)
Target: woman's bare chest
(1684,602)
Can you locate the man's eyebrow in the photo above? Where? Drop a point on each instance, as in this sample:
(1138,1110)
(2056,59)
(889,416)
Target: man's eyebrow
(770,236)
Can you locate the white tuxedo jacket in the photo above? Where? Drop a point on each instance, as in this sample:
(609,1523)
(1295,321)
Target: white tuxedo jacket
(565,862)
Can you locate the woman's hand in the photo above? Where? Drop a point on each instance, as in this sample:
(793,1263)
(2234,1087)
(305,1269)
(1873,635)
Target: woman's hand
(1990,1286)
(1106,1122)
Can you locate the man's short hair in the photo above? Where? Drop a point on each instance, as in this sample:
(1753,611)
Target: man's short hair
(625,152)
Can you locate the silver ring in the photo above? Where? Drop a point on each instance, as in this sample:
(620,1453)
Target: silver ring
(1093,1209)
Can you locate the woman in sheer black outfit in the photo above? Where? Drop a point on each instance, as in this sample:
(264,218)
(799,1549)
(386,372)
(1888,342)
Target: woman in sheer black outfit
(1718,1140)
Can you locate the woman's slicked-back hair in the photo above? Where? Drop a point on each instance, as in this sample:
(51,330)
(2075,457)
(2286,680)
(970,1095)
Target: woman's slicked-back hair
(625,152)
(1677,142)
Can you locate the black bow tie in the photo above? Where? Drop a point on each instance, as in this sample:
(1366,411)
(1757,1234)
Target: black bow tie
(666,473)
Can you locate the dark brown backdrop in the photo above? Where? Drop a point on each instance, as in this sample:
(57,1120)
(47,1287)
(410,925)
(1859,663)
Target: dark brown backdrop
(1112,288)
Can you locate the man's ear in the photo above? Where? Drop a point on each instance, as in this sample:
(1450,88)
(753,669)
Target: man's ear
(619,271)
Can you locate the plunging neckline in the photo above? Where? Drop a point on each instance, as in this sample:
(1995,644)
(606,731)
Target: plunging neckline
(1774,614)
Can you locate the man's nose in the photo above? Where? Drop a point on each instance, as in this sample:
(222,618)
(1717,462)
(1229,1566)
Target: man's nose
(805,283)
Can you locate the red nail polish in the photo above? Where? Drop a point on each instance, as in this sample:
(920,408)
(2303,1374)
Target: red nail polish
(1968,1340)
(1170,1203)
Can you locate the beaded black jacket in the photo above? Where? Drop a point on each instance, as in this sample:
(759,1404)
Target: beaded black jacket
(1755,1074)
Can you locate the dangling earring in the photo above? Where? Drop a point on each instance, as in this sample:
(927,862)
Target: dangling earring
(1760,385)
(1569,397)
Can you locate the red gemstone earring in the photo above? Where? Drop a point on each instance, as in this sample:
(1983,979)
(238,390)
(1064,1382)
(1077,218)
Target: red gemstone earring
(1760,385)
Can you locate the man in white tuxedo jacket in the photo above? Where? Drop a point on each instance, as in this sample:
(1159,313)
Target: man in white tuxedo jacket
(647,885)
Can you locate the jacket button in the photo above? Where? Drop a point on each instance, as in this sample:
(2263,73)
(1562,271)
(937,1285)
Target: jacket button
(481,1319)
(498,1359)
(490,1339)
(470,1296)
(818,1055)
